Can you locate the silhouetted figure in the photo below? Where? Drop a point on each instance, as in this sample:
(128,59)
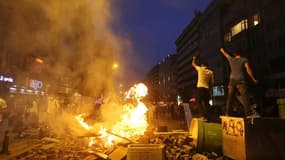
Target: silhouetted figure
(4,136)
(238,81)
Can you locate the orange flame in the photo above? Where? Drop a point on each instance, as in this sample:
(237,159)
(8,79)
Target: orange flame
(80,119)
(107,137)
(137,92)
(133,121)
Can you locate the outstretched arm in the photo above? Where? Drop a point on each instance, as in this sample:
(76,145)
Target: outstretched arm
(194,62)
(226,54)
(249,72)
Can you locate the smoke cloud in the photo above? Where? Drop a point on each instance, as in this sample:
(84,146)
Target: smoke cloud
(74,38)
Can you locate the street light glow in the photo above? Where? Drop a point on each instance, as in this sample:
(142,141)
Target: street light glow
(38,60)
(115,66)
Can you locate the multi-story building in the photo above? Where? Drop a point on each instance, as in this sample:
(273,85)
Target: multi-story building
(256,29)
(162,80)
(152,82)
(211,40)
(6,75)
(272,21)
(187,45)
(168,79)
(21,73)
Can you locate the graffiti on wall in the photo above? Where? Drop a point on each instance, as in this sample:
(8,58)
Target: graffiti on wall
(233,127)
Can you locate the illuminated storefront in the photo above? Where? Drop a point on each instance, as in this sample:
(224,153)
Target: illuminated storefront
(34,87)
(5,83)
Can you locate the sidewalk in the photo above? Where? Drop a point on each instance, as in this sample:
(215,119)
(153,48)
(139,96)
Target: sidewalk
(18,146)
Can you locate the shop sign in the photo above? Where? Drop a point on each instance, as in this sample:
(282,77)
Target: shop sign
(35,84)
(6,79)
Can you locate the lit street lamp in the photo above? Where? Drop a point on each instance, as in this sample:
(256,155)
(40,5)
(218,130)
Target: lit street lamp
(115,66)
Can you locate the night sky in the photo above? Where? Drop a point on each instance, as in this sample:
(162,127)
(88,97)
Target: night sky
(153,26)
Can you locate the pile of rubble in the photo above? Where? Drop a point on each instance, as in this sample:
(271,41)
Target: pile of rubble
(180,146)
(68,148)
(177,146)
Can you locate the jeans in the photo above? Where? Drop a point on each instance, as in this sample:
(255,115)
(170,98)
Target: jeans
(203,98)
(241,87)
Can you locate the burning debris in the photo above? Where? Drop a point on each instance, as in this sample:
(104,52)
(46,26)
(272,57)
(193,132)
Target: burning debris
(126,138)
(132,121)
(175,145)
(165,145)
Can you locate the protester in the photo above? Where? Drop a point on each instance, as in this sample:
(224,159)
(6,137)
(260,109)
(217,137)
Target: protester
(4,115)
(238,80)
(204,83)
(19,116)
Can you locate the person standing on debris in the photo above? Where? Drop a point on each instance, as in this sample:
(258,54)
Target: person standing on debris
(237,80)
(204,83)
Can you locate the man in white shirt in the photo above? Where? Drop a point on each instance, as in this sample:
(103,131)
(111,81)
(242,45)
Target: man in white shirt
(204,84)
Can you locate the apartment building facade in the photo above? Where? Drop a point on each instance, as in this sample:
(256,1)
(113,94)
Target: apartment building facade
(187,46)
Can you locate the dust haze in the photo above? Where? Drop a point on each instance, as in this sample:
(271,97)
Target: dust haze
(75,39)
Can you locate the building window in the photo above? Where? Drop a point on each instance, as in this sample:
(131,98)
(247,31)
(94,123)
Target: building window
(242,25)
(256,19)
(236,29)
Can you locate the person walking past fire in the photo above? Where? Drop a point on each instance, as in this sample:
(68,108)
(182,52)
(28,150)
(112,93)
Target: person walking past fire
(238,66)
(204,83)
